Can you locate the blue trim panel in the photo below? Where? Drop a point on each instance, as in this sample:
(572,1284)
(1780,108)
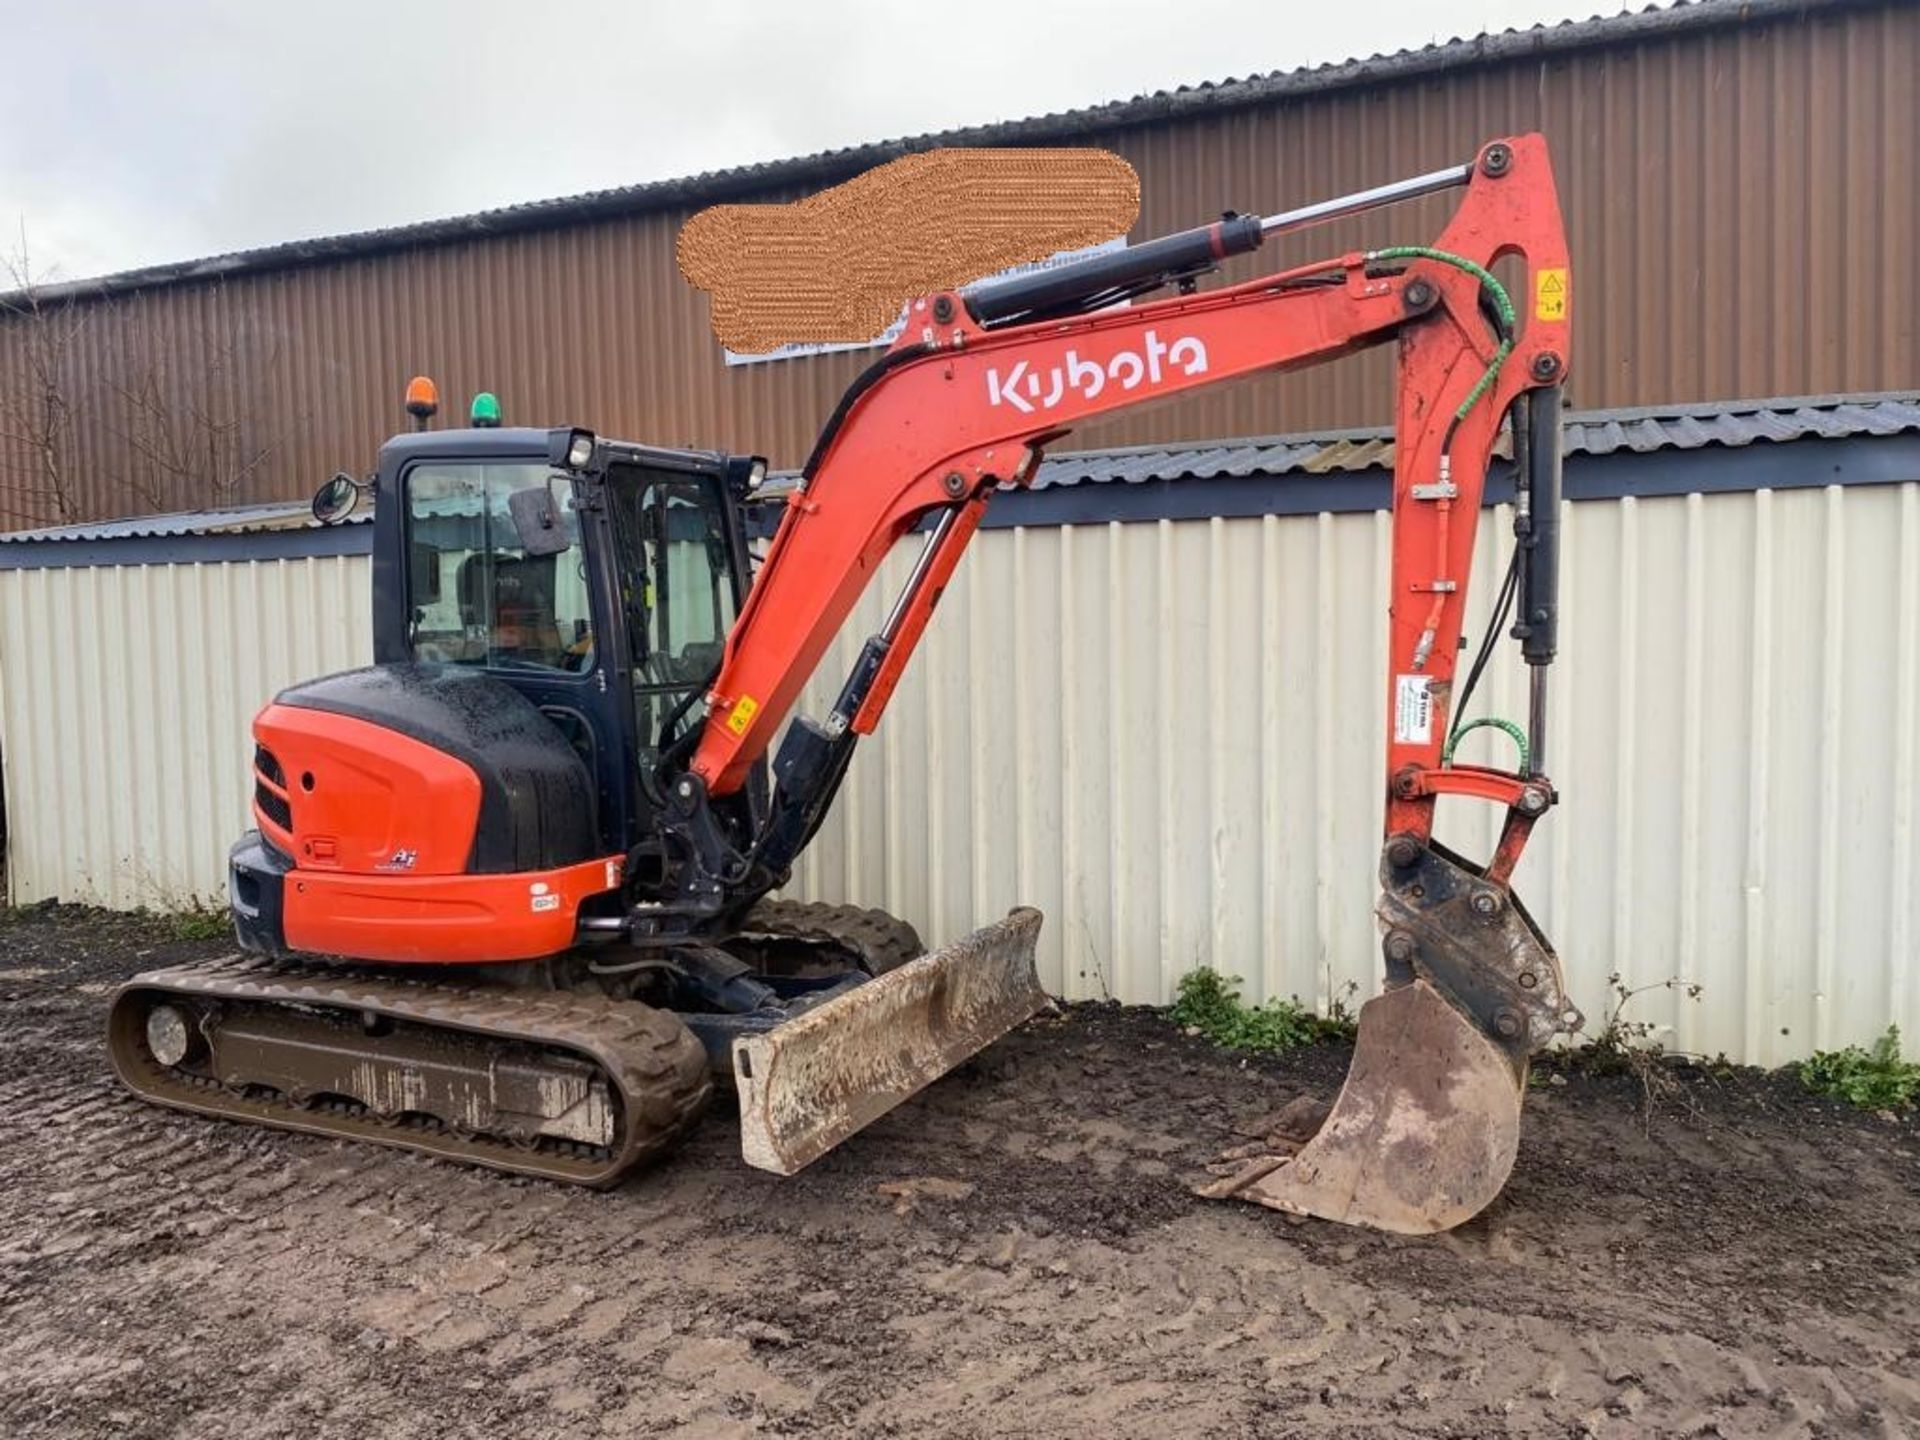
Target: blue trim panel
(188,549)
(1795,465)
(1802,464)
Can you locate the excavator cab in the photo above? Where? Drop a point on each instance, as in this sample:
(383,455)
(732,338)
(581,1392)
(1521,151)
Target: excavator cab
(595,578)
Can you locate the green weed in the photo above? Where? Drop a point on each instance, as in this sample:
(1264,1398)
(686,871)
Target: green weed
(1210,1003)
(1876,1079)
(199,924)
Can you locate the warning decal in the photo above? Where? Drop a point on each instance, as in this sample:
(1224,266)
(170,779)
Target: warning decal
(1550,295)
(1412,710)
(742,714)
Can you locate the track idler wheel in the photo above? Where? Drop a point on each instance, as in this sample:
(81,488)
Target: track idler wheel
(1426,1127)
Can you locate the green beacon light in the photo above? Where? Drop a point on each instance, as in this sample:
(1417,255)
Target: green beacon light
(485,413)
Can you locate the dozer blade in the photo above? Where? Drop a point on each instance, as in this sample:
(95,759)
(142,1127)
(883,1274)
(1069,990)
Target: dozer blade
(1424,1132)
(810,1083)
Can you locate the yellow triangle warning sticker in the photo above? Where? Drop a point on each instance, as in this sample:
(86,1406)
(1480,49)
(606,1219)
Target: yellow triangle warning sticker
(1550,295)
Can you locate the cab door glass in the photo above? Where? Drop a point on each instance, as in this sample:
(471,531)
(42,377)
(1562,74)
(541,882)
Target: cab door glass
(676,588)
(679,590)
(475,596)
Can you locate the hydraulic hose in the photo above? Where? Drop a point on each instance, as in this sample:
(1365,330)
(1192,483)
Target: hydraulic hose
(1486,722)
(1502,305)
(1507,319)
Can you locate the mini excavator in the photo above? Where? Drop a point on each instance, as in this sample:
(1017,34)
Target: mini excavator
(511,898)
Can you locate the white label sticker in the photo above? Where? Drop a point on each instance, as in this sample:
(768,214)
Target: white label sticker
(546,902)
(1412,710)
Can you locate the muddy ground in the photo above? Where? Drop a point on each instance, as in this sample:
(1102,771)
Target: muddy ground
(1013,1254)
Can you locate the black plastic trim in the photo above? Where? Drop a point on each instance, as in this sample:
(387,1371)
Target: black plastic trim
(256,894)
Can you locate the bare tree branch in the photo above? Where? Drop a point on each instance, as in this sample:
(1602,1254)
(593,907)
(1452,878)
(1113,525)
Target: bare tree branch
(196,418)
(37,418)
(178,415)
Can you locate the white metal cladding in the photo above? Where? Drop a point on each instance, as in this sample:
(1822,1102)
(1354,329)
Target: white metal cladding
(1168,737)
(127,694)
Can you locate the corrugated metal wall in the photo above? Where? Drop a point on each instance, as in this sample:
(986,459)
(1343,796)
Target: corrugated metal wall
(1743,205)
(1169,736)
(126,697)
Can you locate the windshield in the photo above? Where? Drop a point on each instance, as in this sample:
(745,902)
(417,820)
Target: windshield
(475,595)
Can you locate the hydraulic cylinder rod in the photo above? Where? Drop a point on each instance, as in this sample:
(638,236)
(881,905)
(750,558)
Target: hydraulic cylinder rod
(1322,211)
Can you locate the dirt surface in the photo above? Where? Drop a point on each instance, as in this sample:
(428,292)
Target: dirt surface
(1015,1253)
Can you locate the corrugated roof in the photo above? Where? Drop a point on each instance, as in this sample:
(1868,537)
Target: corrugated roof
(1643,430)
(830,166)
(235,520)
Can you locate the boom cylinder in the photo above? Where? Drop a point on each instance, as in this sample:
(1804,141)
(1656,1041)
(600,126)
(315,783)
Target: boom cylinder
(1392,193)
(1105,279)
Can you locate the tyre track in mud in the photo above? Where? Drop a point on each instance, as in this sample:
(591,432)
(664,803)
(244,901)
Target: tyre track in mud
(1013,1253)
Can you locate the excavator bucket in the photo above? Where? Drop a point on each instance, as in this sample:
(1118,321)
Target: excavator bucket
(1422,1136)
(813,1081)
(1426,1127)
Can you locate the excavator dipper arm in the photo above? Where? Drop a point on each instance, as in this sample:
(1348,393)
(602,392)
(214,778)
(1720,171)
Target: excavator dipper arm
(967,400)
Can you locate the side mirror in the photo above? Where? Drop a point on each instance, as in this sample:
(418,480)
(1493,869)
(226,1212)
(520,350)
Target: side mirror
(538,522)
(336,499)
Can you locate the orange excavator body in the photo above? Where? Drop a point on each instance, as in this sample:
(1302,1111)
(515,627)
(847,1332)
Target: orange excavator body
(391,830)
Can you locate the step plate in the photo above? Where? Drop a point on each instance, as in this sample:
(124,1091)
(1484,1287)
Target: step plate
(809,1084)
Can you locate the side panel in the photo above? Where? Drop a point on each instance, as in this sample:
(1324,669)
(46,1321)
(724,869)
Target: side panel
(441,919)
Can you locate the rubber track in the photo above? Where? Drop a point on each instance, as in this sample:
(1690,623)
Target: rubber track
(654,1065)
(883,941)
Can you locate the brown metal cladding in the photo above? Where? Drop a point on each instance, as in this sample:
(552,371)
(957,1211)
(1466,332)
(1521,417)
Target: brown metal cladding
(1742,203)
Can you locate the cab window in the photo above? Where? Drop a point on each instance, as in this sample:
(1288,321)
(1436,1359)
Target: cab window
(475,596)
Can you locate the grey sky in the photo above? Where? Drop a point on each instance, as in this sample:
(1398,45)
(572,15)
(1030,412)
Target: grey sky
(132,133)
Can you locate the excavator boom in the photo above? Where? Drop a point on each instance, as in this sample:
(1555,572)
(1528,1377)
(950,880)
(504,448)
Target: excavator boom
(966,401)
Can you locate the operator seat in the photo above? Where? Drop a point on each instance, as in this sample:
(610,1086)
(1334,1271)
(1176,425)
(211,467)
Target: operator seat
(517,617)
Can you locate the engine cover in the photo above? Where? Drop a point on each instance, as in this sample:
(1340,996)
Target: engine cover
(415,814)
(435,771)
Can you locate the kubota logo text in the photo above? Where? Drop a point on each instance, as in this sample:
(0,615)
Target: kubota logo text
(1025,390)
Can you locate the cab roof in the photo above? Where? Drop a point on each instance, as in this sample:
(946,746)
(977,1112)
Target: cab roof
(526,442)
